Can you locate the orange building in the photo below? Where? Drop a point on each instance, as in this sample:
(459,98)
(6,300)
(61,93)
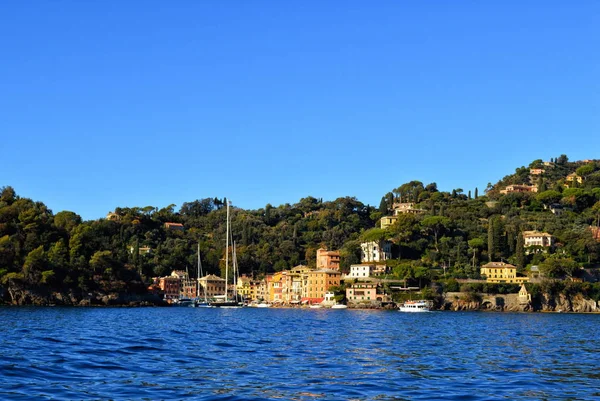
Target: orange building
(318,283)
(328,259)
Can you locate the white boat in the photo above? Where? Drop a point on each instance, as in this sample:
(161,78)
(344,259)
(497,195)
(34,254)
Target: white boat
(315,306)
(263,305)
(339,306)
(414,306)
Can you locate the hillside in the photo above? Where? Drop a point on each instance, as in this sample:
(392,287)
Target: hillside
(435,235)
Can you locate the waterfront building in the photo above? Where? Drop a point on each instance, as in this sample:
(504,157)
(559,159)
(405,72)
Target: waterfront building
(170,286)
(524,296)
(500,272)
(318,283)
(243,287)
(212,285)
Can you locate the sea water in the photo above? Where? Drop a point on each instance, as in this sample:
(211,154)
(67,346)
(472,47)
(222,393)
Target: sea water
(295,354)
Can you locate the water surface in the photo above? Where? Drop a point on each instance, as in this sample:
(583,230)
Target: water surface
(293,354)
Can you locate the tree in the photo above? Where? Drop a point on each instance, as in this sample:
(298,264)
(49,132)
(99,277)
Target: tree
(558,267)
(476,192)
(435,225)
(7,195)
(35,263)
(476,245)
(102,261)
(586,170)
(549,197)
(491,245)
(562,160)
(66,220)
(520,252)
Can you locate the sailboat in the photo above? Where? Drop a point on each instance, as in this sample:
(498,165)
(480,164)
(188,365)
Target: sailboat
(199,302)
(226,302)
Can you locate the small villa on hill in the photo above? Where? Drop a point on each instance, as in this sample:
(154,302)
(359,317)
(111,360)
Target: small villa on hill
(500,272)
(519,188)
(407,207)
(387,221)
(375,251)
(174,226)
(536,238)
(573,177)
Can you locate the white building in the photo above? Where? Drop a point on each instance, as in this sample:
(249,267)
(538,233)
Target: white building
(536,238)
(375,251)
(362,270)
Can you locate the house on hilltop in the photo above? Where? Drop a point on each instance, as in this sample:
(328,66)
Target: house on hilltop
(387,221)
(537,239)
(174,226)
(519,188)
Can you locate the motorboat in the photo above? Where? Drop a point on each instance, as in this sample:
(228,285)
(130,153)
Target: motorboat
(414,306)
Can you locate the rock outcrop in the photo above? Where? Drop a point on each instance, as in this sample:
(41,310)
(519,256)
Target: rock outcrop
(459,301)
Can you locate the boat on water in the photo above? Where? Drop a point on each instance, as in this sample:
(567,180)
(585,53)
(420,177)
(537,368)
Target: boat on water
(263,305)
(224,301)
(315,306)
(199,302)
(414,306)
(339,306)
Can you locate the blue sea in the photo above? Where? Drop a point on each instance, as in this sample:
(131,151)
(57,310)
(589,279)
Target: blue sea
(295,354)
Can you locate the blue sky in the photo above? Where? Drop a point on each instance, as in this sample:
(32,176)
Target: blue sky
(107,104)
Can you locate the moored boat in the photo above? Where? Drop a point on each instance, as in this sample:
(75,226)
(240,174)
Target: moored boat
(414,306)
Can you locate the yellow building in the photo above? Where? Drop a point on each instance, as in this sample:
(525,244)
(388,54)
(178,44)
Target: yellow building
(243,287)
(387,221)
(500,272)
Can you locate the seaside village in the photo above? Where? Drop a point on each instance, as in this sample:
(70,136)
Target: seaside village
(365,284)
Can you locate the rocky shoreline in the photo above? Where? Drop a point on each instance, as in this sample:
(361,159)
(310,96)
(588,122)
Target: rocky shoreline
(451,301)
(457,301)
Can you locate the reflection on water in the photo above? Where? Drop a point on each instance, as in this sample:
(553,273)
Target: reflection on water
(293,354)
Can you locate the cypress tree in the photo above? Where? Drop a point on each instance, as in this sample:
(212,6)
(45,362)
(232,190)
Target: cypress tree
(476,192)
(520,251)
(490,239)
(469,194)
(383,208)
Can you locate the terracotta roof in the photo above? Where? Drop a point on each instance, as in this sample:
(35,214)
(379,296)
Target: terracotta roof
(499,265)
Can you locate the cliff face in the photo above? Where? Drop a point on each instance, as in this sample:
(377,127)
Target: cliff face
(459,301)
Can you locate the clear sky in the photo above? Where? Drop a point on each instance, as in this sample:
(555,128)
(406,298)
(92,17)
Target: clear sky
(136,103)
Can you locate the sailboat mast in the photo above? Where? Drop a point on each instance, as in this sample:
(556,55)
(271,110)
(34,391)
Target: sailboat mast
(198,276)
(227,250)
(235,272)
